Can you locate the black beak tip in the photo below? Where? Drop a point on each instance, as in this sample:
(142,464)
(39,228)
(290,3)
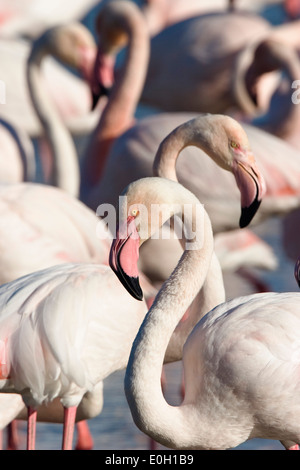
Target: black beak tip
(133,286)
(248,213)
(136,290)
(95,99)
(96,95)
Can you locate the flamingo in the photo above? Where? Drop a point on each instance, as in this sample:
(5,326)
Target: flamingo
(43,226)
(208,46)
(117,22)
(99,321)
(70,93)
(240,361)
(281,117)
(74,45)
(206,49)
(132,157)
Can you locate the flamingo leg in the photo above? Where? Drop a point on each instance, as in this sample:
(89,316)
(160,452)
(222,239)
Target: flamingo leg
(69,423)
(31,428)
(84,437)
(12,439)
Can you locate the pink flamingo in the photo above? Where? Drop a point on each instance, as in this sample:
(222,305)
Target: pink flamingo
(231,354)
(64,372)
(206,48)
(74,45)
(43,226)
(70,93)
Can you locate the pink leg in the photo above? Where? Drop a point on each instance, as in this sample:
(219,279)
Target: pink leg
(31,428)
(69,423)
(295,447)
(84,437)
(12,439)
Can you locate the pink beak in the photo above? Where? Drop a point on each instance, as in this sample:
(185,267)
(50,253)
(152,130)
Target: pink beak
(103,75)
(124,255)
(87,63)
(252,187)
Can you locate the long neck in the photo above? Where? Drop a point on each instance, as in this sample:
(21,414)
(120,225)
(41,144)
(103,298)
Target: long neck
(211,295)
(283,116)
(170,425)
(118,114)
(65,167)
(195,132)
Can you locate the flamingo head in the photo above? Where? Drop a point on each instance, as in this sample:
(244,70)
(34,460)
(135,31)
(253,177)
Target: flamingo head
(248,179)
(124,253)
(112,36)
(143,208)
(228,145)
(124,256)
(103,75)
(226,142)
(73,45)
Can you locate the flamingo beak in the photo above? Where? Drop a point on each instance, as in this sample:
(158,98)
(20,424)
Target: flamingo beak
(87,63)
(252,187)
(103,76)
(297,272)
(123,258)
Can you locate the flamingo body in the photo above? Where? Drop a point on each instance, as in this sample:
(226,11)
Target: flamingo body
(255,341)
(241,360)
(206,49)
(41,363)
(42,226)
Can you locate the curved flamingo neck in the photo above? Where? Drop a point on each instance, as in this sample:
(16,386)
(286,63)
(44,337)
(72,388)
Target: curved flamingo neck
(150,411)
(118,114)
(283,116)
(211,295)
(65,168)
(196,132)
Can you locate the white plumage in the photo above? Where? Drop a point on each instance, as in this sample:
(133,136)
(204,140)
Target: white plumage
(65,329)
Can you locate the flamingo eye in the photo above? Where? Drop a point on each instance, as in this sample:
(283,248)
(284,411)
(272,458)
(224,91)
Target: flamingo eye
(135,212)
(234,144)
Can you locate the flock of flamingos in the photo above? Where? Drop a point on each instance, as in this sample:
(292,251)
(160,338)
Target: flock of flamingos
(220,133)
